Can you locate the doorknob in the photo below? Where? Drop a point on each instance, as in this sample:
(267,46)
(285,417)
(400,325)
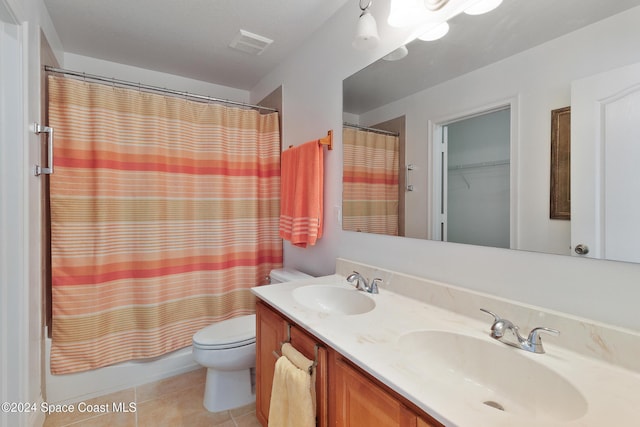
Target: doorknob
(582,249)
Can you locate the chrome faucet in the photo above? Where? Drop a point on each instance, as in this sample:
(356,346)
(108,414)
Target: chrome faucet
(532,343)
(361,283)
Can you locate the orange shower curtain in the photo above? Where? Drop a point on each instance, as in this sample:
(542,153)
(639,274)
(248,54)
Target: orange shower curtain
(370,182)
(164,212)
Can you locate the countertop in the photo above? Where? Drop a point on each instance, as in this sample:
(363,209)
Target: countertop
(608,394)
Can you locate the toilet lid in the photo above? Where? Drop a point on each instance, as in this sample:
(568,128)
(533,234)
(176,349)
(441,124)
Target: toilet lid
(229,333)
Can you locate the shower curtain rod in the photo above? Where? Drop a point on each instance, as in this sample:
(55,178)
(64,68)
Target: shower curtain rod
(119,82)
(384,132)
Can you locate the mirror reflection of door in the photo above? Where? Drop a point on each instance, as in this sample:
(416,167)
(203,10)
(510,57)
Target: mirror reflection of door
(474,177)
(605,149)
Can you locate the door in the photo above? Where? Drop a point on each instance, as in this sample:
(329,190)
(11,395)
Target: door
(359,402)
(474,180)
(605,154)
(310,348)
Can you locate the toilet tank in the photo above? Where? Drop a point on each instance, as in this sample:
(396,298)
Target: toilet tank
(286,275)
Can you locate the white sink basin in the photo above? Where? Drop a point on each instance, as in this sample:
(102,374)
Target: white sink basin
(333,300)
(492,376)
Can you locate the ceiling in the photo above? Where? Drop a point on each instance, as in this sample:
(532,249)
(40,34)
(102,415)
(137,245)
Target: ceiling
(189,38)
(473,42)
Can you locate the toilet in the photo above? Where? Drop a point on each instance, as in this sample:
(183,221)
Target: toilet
(228,350)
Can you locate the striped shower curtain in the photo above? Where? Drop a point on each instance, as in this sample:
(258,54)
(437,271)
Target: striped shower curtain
(370,182)
(164,212)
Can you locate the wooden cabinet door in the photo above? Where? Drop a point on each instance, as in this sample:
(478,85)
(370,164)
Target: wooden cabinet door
(270,333)
(360,402)
(423,422)
(310,348)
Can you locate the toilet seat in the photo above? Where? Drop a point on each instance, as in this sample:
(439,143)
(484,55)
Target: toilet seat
(231,333)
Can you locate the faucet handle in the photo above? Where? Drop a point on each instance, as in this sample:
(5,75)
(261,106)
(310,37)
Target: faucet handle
(360,281)
(535,343)
(373,287)
(495,316)
(500,326)
(534,335)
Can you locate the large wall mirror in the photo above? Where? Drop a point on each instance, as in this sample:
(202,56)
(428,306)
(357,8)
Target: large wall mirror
(452,142)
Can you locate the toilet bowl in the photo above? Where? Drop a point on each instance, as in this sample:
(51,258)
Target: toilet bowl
(228,350)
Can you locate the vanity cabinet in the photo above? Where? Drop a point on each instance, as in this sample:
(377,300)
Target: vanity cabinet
(345,395)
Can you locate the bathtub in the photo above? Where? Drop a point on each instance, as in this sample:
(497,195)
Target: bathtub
(86,385)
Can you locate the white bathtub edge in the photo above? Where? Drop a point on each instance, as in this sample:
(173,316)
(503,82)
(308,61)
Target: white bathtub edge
(82,386)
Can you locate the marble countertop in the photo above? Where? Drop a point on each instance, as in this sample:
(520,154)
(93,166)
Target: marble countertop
(608,394)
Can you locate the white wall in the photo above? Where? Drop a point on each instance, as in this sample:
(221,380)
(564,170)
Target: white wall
(312,81)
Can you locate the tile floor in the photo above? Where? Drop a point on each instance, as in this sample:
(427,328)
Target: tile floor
(172,402)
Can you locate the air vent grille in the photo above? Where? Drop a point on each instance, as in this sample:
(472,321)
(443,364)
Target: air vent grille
(250,43)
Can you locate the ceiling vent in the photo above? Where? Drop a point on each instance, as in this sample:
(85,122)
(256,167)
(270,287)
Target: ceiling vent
(250,43)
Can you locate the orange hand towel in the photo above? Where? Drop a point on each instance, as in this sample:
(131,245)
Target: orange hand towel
(301,198)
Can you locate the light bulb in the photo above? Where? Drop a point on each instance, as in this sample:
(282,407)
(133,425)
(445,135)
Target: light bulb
(366,32)
(482,6)
(403,13)
(435,33)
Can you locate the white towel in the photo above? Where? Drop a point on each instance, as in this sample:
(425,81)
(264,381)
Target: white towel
(293,391)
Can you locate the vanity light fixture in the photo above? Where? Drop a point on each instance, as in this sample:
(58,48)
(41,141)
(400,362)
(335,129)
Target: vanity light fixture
(367,29)
(434,5)
(397,54)
(435,33)
(482,6)
(404,13)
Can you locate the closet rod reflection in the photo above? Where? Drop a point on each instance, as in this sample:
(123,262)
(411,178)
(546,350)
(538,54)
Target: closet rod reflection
(384,132)
(480,165)
(193,96)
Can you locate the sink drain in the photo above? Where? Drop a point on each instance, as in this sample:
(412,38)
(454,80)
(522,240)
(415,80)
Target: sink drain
(493,404)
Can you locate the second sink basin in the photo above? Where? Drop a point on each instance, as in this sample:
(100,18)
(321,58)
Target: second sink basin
(333,300)
(490,373)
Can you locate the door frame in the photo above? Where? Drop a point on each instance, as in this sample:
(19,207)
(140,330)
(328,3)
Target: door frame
(436,127)
(14,268)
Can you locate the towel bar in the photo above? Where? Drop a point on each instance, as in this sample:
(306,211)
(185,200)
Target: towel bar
(325,140)
(288,340)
